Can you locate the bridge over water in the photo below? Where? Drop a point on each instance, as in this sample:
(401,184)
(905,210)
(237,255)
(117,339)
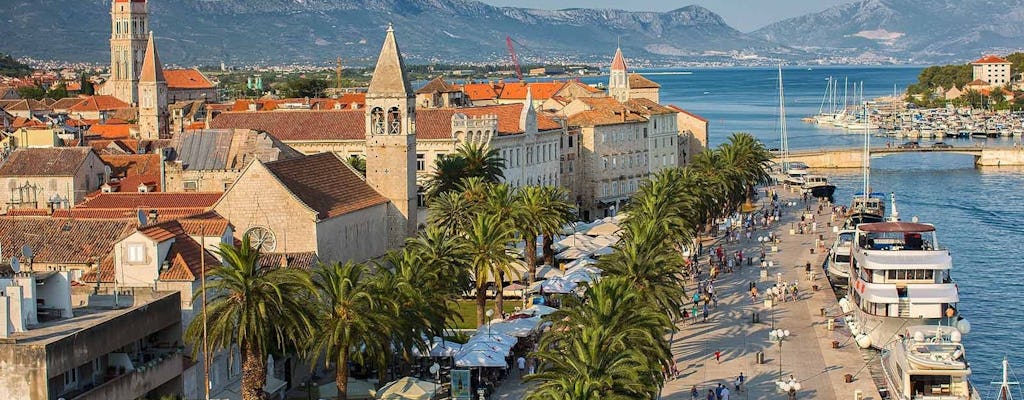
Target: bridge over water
(853,157)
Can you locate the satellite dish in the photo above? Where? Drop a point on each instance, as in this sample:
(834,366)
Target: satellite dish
(26,251)
(434,368)
(142,217)
(15,265)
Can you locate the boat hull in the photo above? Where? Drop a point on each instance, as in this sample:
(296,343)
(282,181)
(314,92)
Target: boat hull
(823,191)
(884,330)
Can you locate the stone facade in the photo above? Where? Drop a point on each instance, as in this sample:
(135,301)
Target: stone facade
(129,25)
(614,162)
(993,70)
(693,135)
(38,190)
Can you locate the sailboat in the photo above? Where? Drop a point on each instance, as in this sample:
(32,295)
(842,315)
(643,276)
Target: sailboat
(827,115)
(794,172)
(1004,386)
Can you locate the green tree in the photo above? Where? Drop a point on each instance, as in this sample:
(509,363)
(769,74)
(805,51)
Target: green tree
(489,257)
(87,88)
(31,92)
(470,161)
(304,87)
(354,318)
(358,163)
(559,212)
(59,91)
(262,309)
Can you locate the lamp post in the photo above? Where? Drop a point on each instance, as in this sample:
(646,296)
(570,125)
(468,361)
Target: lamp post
(489,314)
(778,335)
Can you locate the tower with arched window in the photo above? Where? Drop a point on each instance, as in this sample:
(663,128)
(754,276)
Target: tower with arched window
(391,139)
(129,23)
(152,96)
(618,80)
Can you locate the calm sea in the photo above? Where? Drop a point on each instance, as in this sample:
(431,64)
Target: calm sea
(978,212)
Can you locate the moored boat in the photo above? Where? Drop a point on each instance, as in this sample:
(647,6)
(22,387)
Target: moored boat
(928,363)
(818,186)
(899,277)
(838,263)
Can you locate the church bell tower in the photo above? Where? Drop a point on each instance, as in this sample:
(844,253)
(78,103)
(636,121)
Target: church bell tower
(129,23)
(391,140)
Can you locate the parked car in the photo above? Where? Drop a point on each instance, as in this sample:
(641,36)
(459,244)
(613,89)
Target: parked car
(910,145)
(941,145)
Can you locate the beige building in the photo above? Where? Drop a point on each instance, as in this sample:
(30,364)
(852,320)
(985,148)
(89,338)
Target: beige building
(614,158)
(693,134)
(993,70)
(316,203)
(48,178)
(661,132)
(129,20)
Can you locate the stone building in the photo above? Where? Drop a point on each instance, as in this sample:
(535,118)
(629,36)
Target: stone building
(693,134)
(48,178)
(152,96)
(316,203)
(614,158)
(439,94)
(661,132)
(210,160)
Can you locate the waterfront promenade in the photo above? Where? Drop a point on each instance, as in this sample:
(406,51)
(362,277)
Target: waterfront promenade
(807,354)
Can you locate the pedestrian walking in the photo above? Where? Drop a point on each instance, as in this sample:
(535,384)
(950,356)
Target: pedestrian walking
(694,393)
(705,312)
(693,313)
(718,356)
(711,395)
(739,382)
(521,363)
(718,392)
(725,393)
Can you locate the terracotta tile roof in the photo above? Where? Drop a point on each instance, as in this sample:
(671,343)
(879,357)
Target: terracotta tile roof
(977,82)
(184,258)
(128,200)
(109,146)
(434,123)
(66,103)
(436,85)
(647,107)
(674,107)
(160,232)
(55,161)
(99,103)
(539,90)
(298,124)
(134,164)
(125,213)
(132,183)
(508,118)
(637,81)
(480,91)
(62,240)
(604,116)
(601,102)
(618,62)
(112,131)
(324,183)
(206,224)
(22,122)
(27,105)
(991,59)
(584,86)
(186,79)
(28,212)
(74,86)
(303,260)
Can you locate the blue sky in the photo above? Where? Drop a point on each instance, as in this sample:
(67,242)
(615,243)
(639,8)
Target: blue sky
(745,15)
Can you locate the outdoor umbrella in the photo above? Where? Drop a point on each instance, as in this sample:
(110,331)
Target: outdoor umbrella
(438,348)
(495,347)
(581,276)
(407,388)
(539,310)
(604,228)
(554,285)
(480,358)
(517,327)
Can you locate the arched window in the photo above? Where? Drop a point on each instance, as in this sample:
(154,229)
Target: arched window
(394,121)
(377,121)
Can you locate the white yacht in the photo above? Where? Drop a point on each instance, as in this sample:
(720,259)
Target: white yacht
(928,363)
(796,173)
(818,186)
(838,267)
(899,277)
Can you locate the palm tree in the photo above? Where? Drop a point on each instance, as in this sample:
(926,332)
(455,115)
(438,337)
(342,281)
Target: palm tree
(355,318)
(501,203)
(448,172)
(450,212)
(609,344)
(646,259)
(259,308)
(487,242)
(558,212)
(482,161)
(530,215)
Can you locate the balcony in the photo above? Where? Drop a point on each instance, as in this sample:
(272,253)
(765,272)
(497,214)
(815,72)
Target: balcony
(139,381)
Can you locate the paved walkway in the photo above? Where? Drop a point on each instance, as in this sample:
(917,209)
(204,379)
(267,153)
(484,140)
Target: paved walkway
(807,354)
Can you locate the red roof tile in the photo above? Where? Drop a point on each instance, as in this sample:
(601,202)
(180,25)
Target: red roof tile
(303,260)
(324,183)
(132,164)
(619,62)
(62,240)
(479,91)
(125,213)
(151,200)
(206,224)
(637,81)
(186,79)
(298,124)
(539,90)
(56,161)
(119,131)
(98,103)
(991,59)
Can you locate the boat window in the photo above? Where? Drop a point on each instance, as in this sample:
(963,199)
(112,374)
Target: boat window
(929,385)
(840,258)
(892,274)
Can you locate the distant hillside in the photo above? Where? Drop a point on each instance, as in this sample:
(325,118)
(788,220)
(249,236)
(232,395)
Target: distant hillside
(925,30)
(304,31)
(11,67)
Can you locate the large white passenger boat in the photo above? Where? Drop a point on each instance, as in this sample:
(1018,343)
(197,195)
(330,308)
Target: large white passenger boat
(928,363)
(899,277)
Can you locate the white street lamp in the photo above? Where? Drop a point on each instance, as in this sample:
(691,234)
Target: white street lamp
(779,335)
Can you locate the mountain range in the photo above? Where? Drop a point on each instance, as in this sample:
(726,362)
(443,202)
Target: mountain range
(191,32)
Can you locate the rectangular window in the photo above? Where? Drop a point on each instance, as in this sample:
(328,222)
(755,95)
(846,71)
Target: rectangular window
(421,197)
(570,141)
(421,162)
(71,379)
(136,253)
(190,186)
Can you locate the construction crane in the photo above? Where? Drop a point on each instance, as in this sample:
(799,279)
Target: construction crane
(515,59)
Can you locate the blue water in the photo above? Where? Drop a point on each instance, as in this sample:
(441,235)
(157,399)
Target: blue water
(978,212)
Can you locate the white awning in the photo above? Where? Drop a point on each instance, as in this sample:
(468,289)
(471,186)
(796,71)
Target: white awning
(905,259)
(932,294)
(881,294)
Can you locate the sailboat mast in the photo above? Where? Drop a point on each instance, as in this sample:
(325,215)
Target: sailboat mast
(866,161)
(782,123)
